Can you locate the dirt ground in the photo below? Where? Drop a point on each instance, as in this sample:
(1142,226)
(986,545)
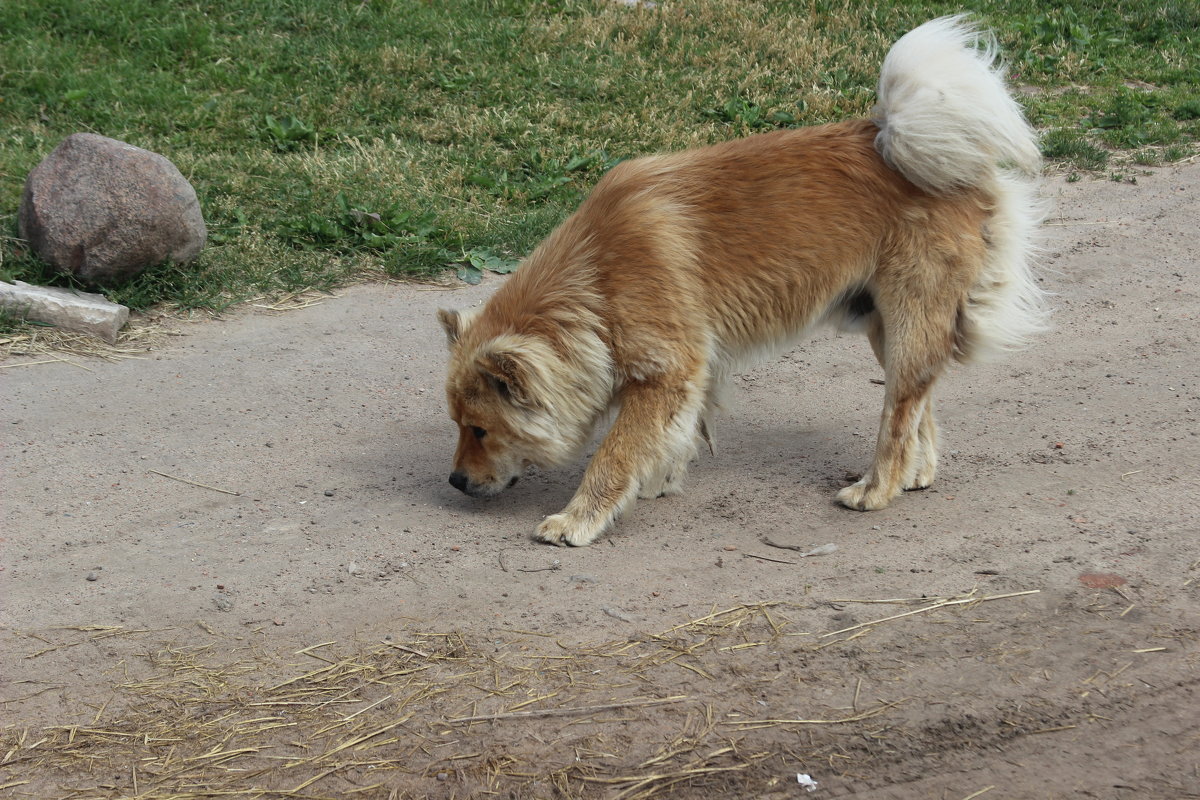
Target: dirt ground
(221,557)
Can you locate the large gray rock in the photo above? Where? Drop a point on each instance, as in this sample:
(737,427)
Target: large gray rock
(104,210)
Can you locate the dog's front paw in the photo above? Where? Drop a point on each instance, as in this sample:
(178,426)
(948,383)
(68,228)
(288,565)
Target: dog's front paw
(864,496)
(564,530)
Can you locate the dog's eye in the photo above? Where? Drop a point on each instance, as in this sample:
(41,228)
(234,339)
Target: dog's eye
(478,431)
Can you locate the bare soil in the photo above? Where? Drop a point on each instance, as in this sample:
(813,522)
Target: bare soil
(150,628)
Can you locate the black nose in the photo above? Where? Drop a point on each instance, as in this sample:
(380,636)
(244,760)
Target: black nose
(458,481)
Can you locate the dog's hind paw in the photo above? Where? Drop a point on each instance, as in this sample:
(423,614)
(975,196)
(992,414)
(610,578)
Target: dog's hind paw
(862,496)
(923,479)
(565,531)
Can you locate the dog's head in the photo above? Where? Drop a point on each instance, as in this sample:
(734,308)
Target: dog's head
(512,402)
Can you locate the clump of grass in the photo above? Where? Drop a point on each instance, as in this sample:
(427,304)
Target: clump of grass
(10,322)
(1187,109)
(1074,148)
(1130,119)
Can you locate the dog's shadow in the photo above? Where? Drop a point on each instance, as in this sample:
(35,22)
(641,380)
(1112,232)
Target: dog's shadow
(416,461)
(791,452)
(412,465)
(820,457)
(536,494)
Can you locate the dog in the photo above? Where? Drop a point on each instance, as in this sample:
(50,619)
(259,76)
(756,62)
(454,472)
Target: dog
(915,225)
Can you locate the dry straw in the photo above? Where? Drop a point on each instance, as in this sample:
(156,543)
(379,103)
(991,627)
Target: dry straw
(53,346)
(439,715)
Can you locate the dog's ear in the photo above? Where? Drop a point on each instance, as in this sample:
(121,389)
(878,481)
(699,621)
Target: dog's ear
(511,373)
(456,323)
(450,323)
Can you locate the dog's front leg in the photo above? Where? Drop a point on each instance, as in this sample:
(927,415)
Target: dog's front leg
(655,426)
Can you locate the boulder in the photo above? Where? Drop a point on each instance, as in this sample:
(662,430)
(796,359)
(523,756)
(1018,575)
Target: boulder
(104,210)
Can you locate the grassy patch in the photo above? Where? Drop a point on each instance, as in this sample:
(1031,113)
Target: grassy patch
(1073,147)
(329,139)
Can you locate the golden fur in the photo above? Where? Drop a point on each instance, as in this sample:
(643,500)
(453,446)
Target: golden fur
(680,269)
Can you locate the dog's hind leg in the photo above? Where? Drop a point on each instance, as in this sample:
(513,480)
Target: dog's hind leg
(925,459)
(914,334)
(647,449)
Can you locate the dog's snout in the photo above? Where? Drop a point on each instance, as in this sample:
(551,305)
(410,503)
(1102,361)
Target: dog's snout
(459,481)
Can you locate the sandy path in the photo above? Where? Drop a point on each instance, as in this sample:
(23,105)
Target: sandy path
(1078,456)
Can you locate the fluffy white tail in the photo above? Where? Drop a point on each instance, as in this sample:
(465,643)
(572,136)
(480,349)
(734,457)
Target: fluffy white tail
(947,123)
(946,120)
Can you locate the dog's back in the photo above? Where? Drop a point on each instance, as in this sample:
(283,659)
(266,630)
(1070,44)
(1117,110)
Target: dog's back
(736,249)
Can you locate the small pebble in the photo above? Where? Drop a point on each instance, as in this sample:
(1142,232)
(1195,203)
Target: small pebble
(93,575)
(616,614)
(329,492)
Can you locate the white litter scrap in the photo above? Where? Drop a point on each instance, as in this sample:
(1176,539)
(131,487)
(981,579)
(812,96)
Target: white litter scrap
(806,781)
(823,550)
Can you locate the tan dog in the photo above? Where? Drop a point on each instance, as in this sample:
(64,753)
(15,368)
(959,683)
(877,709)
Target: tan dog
(679,270)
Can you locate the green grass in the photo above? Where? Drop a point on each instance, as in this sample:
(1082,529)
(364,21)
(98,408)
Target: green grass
(328,139)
